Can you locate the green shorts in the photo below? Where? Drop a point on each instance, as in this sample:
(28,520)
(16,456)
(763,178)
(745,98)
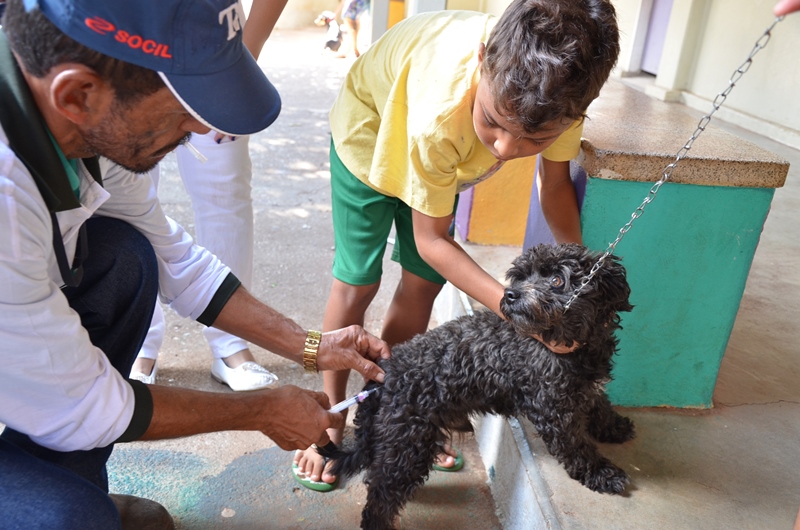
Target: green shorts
(362,222)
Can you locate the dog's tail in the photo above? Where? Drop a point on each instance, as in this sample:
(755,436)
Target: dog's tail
(356,457)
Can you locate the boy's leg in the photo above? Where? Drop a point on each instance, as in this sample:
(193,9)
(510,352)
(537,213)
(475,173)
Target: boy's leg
(409,313)
(346,306)
(362,220)
(114,300)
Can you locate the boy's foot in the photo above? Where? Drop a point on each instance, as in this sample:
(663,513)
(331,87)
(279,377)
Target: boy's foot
(306,482)
(312,465)
(449,460)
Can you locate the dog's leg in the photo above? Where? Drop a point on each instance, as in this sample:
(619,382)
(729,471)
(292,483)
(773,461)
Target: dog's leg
(401,464)
(565,435)
(606,425)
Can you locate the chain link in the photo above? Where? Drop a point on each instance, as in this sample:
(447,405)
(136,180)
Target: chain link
(761,42)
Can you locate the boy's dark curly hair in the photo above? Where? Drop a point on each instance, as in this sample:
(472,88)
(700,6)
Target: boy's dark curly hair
(547,59)
(41,46)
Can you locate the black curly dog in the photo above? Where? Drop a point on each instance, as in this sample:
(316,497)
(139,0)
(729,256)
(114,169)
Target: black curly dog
(482,364)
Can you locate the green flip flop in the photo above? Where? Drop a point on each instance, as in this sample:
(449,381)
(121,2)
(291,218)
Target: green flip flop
(306,482)
(457,465)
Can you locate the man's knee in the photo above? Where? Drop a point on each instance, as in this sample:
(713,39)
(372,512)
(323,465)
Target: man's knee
(37,494)
(117,295)
(117,246)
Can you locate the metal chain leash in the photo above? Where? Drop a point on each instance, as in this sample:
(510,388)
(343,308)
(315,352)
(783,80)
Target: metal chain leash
(682,152)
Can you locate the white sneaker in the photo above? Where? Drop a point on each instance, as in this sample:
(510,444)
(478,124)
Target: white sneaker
(146,379)
(246,376)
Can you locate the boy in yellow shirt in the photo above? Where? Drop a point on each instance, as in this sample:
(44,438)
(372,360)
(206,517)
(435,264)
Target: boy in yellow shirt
(442,101)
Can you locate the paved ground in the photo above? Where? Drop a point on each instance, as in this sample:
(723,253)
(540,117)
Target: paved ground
(242,480)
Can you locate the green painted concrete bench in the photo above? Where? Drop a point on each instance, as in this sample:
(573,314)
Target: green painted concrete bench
(689,254)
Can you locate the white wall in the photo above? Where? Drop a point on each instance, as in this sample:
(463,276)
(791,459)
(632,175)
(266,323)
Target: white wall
(706,41)
(770,89)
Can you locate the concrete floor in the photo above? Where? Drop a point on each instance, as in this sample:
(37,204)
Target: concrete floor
(735,466)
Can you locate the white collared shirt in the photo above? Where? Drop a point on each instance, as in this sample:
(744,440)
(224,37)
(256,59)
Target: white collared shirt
(55,385)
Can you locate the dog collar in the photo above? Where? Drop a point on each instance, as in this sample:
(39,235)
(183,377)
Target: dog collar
(559,349)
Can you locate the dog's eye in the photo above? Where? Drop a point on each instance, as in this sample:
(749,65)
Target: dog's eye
(556,281)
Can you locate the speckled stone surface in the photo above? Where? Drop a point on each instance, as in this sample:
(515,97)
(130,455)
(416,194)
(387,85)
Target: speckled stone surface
(632,136)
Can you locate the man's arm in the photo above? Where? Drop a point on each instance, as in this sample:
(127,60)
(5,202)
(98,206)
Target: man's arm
(558,201)
(348,348)
(292,417)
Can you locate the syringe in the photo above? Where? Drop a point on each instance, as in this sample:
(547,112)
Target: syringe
(358,398)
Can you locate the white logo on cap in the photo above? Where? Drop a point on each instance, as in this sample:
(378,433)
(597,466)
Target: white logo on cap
(234,15)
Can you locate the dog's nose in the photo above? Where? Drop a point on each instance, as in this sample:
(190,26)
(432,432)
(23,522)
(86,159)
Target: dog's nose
(512,295)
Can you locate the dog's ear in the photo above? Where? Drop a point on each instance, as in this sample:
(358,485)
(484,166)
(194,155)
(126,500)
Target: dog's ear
(613,285)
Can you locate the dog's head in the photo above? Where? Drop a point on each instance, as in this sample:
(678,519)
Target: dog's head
(324,18)
(541,282)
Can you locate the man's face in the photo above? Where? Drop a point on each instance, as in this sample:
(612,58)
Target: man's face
(139,136)
(508,140)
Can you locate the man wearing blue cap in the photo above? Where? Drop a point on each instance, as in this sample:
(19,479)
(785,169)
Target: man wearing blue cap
(93,94)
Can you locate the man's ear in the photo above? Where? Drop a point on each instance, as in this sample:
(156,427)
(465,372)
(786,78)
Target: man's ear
(481,51)
(79,94)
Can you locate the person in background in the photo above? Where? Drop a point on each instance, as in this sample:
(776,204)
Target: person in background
(351,11)
(94,94)
(220,190)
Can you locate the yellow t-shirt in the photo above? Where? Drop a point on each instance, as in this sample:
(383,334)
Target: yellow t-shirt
(402,122)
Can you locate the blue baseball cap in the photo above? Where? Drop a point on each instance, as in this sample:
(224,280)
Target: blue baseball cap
(194,45)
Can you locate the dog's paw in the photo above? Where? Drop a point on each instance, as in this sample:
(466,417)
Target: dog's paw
(620,429)
(605,477)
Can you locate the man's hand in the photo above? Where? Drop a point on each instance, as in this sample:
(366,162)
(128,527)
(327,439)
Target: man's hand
(352,348)
(297,418)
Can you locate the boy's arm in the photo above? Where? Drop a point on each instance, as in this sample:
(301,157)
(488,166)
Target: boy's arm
(558,201)
(440,251)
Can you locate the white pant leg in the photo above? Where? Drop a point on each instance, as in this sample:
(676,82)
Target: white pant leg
(223,212)
(155,335)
